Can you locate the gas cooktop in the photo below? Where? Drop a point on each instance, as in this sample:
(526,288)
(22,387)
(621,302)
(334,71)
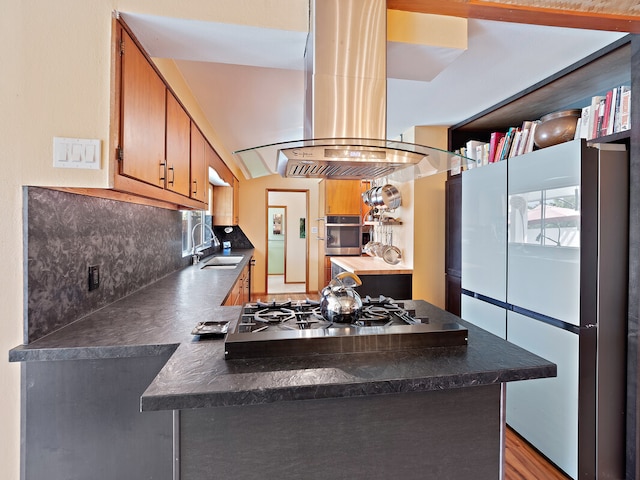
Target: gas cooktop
(275,329)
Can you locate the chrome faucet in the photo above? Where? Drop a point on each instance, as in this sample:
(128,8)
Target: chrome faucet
(195,255)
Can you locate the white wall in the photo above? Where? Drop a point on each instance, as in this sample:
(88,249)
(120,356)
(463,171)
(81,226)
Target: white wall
(429,222)
(296,247)
(56,81)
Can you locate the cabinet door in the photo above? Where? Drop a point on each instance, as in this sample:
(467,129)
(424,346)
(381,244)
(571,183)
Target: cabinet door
(342,197)
(178,147)
(236,201)
(225,204)
(222,206)
(487,316)
(246,285)
(453,227)
(484,230)
(545,410)
(545,232)
(142,117)
(199,183)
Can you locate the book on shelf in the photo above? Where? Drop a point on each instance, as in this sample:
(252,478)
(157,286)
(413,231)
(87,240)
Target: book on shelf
(597,122)
(478,151)
(508,140)
(525,132)
(493,144)
(532,131)
(625,108)
(593,116)
(582,129)
(606,114)
(499,148)
(515,142)
(605,107)
(611,112)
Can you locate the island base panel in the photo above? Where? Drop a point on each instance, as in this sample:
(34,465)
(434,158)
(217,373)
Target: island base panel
(81,420)
(452,433)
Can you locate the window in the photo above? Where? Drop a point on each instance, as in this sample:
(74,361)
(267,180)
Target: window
(201,235)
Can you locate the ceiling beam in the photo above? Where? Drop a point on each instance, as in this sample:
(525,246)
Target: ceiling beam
(575,16)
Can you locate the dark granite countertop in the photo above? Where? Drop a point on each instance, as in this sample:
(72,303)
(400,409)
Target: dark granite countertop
(198,376)
(158,317)
(161,317)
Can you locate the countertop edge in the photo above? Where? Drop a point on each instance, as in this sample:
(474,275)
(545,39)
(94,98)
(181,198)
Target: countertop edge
(21,354)
(151,402)
(366,265)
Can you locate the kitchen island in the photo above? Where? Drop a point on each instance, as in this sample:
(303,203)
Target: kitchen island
(378,277)
(421,413)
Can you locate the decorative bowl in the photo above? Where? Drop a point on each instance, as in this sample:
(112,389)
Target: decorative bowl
(557,127)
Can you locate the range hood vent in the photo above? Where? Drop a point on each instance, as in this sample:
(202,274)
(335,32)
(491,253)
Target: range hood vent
(345,105)
(345,158)
(328,169)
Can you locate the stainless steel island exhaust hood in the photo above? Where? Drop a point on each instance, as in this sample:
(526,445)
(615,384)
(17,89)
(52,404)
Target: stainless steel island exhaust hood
(345,105)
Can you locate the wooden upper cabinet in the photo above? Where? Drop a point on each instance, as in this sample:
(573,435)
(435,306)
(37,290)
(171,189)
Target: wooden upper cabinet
(224,205)
(223,209)
(142,117)
(199,183)
(342,197)
(152,147)
(178,147)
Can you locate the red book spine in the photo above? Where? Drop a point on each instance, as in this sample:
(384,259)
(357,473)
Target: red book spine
(493,145)
(607,112)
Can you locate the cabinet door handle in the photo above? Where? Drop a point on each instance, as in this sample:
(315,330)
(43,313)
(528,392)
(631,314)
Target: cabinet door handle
(163,169)
(195,182)
(173,176)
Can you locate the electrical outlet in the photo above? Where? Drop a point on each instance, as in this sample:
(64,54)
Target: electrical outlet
(94,277)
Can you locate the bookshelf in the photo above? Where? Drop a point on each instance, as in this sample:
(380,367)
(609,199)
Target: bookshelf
(569,88)
(573,87)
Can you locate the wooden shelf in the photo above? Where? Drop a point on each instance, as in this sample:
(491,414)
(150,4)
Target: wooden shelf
(571,87)
(383,222)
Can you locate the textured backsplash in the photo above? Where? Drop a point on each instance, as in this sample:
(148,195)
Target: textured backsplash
(134,245)
(236,236)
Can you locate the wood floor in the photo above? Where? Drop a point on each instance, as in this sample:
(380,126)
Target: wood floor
(522,461)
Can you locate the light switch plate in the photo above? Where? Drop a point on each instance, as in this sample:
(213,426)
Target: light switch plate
(76,153)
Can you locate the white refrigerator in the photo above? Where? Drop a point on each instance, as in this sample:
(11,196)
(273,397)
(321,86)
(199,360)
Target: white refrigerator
(544,249)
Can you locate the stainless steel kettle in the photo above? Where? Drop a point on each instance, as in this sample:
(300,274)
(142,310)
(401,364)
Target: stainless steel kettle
(339,302)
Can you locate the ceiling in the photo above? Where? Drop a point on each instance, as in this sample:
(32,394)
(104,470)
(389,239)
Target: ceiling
(249,80)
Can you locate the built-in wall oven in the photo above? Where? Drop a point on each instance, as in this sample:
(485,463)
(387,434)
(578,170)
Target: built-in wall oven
(343,235)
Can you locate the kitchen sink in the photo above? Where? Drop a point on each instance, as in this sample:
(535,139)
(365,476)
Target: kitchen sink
(224,261)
